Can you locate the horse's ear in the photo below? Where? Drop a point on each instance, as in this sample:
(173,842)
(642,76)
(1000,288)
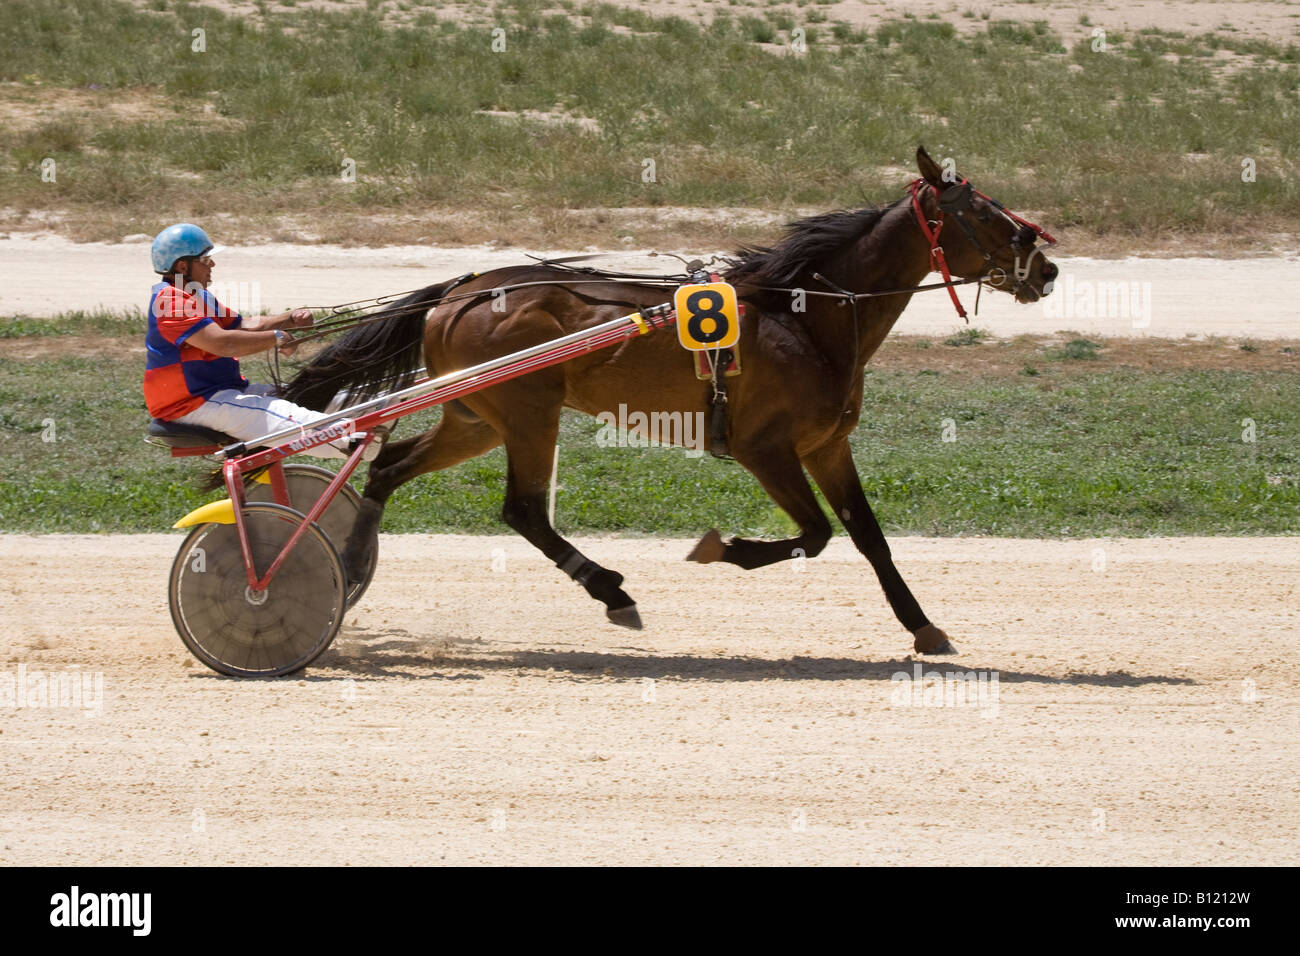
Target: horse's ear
(930,170)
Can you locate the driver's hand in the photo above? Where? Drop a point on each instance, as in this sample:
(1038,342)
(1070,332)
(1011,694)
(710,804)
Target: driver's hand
(301,319)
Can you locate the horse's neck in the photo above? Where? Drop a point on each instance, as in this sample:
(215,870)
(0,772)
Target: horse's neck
(893,255)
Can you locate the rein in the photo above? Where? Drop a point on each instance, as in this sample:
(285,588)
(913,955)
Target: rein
(957,199)
(347,322)
(855,296)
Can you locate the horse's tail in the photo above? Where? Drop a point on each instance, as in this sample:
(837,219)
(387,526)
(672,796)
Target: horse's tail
(379,356)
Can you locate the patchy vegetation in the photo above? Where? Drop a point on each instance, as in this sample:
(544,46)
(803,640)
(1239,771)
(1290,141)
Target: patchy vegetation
(452,142)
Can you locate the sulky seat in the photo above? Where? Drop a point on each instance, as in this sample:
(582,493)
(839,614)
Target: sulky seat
(174,435)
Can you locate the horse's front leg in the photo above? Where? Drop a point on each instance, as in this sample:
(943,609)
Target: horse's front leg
(782,477)
(836,475)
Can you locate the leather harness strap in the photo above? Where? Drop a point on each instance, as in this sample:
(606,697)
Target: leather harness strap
(937,258)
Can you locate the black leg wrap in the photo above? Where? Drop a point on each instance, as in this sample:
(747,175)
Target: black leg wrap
(577,567)
(600,583)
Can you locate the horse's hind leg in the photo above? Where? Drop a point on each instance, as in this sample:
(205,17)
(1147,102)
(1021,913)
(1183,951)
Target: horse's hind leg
(837,476)
(454,439)
(783,479)
(530,453)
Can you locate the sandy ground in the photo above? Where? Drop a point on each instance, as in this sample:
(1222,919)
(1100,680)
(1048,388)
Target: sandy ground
(1254,298)
(1146,712)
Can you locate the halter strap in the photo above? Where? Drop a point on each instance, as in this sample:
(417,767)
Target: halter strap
(937,258)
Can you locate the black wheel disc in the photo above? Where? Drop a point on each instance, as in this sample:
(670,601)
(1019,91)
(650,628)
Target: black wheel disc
(237,631)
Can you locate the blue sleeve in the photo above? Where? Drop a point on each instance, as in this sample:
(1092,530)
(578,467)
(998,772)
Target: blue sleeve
(180,339)
(214,309)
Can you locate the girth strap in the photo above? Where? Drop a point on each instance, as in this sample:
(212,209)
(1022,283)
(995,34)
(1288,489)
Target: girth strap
(719,444)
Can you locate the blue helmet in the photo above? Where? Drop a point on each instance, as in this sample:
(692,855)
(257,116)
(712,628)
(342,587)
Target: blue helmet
(178,242)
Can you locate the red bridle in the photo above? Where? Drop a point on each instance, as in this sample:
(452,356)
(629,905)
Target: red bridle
(959,204)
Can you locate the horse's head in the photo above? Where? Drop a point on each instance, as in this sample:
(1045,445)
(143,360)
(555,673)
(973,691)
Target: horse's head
(978,236)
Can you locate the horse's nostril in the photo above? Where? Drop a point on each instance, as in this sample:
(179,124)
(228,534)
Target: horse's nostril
(1049,271)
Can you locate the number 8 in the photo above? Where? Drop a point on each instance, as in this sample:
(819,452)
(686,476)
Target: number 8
(694,303)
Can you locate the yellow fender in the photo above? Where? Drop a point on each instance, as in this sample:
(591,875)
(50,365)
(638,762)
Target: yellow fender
(221,512)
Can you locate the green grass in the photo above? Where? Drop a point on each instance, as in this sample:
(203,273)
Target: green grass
(1077,450)
(967,336)
(1097,141)
(117,322)
(1076,350)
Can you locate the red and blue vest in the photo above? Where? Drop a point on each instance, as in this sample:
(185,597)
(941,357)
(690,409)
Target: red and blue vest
(179,377)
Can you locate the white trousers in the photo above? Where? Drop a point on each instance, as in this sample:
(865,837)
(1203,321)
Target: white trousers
(253,413)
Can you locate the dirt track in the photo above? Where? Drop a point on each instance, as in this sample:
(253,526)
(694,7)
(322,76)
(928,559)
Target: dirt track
(1131,297)
(471,715)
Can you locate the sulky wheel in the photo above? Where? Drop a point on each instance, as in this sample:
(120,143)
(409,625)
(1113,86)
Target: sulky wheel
(237,631)
(306,484)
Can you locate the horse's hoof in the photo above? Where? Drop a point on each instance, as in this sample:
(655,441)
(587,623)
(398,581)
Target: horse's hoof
(932,640)
(709,549)
(624,616)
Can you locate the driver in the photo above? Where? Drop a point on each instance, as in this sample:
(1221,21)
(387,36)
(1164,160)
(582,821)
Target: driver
(194,344)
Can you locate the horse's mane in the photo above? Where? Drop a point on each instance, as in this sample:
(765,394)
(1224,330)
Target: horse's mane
(805,242)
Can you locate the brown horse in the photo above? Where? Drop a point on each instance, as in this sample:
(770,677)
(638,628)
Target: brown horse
(792,408)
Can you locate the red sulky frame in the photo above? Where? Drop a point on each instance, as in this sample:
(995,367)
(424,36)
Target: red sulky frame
(368,417)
